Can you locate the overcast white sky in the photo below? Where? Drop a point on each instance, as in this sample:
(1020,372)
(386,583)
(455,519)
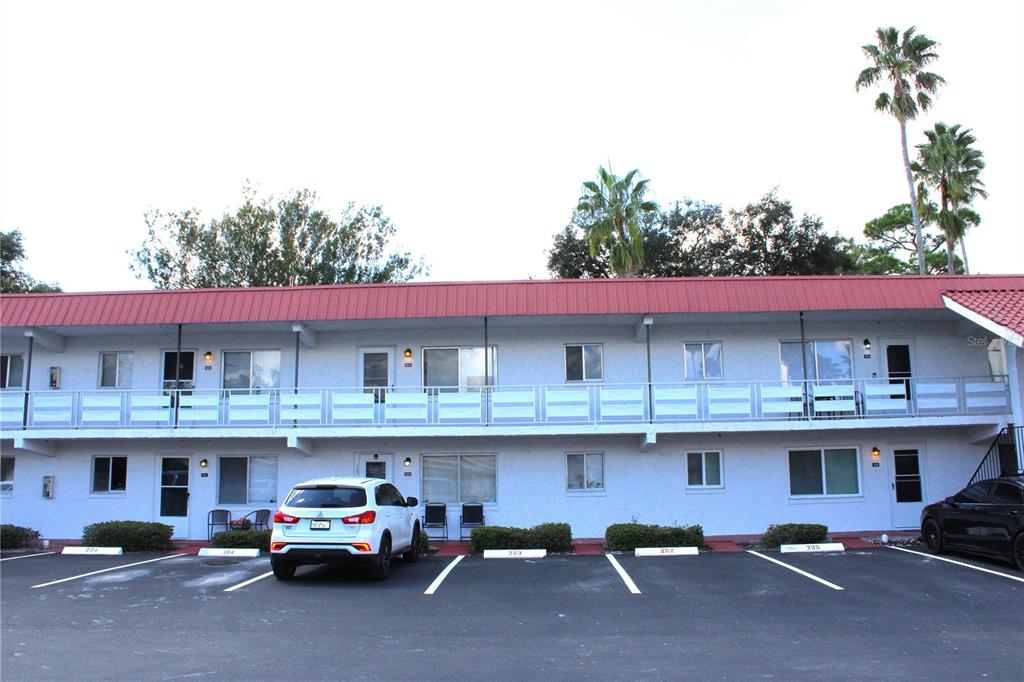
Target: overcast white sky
(473,124)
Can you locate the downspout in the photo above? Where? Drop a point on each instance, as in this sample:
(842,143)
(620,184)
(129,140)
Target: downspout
(487,376)
(295,422)
(177,378)
(650,389)
(28,382)
(803,363)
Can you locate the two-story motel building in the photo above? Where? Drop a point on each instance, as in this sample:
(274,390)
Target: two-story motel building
(592,401)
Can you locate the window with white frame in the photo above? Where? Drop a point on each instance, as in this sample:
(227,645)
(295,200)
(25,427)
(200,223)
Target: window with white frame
(584,471)
(6,474)
(584,362)
(247,480)
(12,370)
(252,369)
(116,370)
(704,469)
(109,474)
(703,360)
(826,359)
(457,367)
(459,478)
(824,471)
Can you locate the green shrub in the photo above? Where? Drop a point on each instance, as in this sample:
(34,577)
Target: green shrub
(794,534)
(554,537)
(17,537)
(243,539)
(424,542)
(625,537)
(498,537)
(132,536)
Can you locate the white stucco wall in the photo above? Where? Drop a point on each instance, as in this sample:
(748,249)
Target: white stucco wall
(649,486)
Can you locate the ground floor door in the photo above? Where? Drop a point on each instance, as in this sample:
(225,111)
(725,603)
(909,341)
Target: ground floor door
(375,465)
(907,485)
(173,493)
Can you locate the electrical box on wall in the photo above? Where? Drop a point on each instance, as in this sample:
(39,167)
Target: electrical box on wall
(55,377)
(47,487)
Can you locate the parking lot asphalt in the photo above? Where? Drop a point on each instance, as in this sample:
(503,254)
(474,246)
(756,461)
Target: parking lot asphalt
(715,616)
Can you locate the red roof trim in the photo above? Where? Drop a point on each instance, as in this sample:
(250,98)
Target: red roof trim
(496,299)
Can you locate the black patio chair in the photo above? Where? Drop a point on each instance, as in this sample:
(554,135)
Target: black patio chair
(472,517)
(217,517)
(435,516)
(258,520)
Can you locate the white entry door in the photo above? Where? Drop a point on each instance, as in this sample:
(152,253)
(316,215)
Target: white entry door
(375,465)
(173,493)
(907,484)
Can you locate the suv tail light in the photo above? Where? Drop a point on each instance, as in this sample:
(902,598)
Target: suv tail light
(366,517)
(281,517)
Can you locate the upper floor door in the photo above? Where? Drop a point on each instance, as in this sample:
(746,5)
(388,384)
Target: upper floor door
(896,356)
(183,376)
(376,371)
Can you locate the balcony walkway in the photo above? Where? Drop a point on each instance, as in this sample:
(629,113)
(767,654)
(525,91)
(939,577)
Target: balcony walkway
(562,408)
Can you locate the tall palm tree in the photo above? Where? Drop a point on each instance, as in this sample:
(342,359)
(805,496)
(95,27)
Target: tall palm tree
(899,61)
(949,163)
(614,208)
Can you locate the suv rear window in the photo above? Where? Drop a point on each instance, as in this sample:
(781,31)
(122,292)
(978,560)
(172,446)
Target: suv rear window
(326,497)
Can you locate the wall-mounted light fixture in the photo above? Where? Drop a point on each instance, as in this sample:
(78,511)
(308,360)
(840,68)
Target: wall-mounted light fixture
(208,357)
(407,354)
(204,462)
(875,453)
(376,455)
(407,462)
(867,345)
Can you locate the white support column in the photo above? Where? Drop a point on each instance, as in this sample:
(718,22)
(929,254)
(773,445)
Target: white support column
(48,340)
(1015,375)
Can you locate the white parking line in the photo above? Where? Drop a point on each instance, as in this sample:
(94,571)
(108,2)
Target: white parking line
(105,570)
(26,556)
(250,581)
(796,570)
(622,574)
(443,574)
(958,563)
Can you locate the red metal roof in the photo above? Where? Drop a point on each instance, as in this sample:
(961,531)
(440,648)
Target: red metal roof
(1004,307)
(495,299)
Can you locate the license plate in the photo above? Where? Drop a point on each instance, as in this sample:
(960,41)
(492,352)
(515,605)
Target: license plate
(320,524)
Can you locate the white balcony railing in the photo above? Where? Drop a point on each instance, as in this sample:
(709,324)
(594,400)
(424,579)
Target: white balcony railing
(506,405)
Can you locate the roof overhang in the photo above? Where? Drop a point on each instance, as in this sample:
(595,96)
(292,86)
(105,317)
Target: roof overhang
(984,322)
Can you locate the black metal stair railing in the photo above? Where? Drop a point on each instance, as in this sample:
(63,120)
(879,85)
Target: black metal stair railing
(1001,458)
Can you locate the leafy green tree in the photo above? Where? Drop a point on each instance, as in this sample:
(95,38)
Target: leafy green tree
(698,239)
(570,256)
(900,61)
(891,247)
(772,241)
(613,210)
(14,280)
(268,242)
(948,163)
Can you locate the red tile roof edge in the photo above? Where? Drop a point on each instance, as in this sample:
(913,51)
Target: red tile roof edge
(493,298)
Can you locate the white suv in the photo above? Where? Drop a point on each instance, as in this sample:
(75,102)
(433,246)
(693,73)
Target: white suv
(337,520)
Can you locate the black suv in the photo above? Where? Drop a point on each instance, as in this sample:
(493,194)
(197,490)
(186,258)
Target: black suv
(984,518)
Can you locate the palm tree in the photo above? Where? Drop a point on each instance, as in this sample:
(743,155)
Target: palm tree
(900,61)
(614,208)
(950,164)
